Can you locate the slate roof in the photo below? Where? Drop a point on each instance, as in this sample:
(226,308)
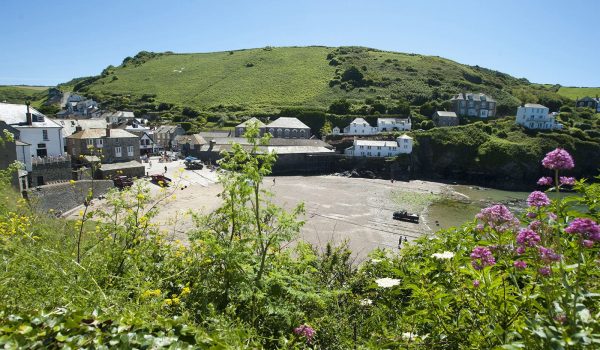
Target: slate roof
(16,115)
(360,121)
(474,96)
(534,105)
(121,165)
(376,143)
(70,125)
(286,122)
(163,129)
(101,133)
(194,139)
(119,114)
(276,142)
(405,137)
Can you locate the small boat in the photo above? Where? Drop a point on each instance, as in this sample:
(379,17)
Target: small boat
(403,215)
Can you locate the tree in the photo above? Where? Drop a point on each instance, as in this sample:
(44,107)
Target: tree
(353,75)
(326,129)
(340,107)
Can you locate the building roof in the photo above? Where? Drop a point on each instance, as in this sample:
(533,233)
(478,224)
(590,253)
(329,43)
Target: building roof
(118,114)
(101,133)
(286,122)
(376,143)
(360,121)
(70,125)
(251,120)
(194,139)
(163,129)
(473,96)
(534,105)
(214,134)
(16,115)
(405,137)
(446,114)
(298,149)
(275,142)
(21,143)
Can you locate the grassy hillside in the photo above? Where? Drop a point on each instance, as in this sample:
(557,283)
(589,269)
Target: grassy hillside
(578,92)
(270,79)
(22,93)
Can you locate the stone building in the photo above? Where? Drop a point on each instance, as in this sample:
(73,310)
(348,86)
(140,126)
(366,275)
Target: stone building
(443,118)
(288,128)
(190,145)
(105,145)
(240,129)
(474,105)
(589,102)
(164,135)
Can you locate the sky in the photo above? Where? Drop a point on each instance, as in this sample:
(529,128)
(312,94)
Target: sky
(546,41)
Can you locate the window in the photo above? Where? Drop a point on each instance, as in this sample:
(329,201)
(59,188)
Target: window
(99,143)
(130,151)
(368,147)
(45,135)
(118,151)
(378,147)
(89,142)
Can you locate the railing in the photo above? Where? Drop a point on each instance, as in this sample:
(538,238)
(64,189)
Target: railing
(49,160)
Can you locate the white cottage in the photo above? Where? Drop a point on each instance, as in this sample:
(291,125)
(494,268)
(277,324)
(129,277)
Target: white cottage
(393,124)
(372,148)
(535,116)
(359,126)
(44,136)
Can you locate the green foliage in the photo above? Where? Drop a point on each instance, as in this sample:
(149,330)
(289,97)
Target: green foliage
(340,107)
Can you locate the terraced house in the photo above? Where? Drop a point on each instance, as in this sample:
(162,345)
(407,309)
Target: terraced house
(104,145)
(474,105)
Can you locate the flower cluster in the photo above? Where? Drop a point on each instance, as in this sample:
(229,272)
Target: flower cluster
(482,257)
(545,181)
(520,264)
(558,159)
(587,229)
(498,217)
(305,331)
(443,256)
(527,238)
(538,199)
(567,180)
(547,255)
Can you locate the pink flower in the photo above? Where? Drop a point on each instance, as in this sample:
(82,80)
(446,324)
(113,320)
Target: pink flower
(531,215)
(520,264)
(552,217)
(566,180)
(498,217)
(538,199)
(476,283)
(527,238)
(545,181)
(479,227)
(535,225)
(548,255)
(520,250)
(587,243)
(482,257)
(558,159)
(586,228)
(545,271)
(305,331)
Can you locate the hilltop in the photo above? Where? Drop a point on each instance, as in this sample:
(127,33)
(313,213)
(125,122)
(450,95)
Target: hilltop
(267,80)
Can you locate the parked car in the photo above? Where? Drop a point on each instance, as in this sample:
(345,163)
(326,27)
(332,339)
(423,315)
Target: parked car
(403,215)
(160,180)
(194,165)
(122,181)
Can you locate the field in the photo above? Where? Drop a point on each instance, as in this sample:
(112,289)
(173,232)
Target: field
(579,92)
(22,93)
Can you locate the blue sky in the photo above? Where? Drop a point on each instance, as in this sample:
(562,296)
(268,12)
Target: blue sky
(49,42)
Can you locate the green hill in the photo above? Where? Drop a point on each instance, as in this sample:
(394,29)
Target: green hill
(22,93)
(269,79)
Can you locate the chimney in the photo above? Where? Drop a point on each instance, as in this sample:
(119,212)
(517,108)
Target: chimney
(28,115)
(107,131)
(78,128)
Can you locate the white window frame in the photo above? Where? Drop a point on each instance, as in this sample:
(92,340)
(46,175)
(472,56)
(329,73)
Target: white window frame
(118,151)
(130,151)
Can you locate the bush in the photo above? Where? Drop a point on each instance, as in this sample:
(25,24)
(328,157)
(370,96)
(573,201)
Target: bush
(340,107)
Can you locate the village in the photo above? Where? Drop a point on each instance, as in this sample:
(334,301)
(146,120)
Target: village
(83,143)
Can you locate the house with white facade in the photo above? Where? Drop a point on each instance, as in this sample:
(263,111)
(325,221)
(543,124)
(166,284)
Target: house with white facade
(375,149)
(536,116)
(393,124)
(118,117)
(359,126)
(43,135)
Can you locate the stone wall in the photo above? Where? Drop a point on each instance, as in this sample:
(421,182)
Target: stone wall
(43,173)
(62,197)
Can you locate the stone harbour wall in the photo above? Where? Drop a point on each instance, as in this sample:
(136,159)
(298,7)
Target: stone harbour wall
(62,197)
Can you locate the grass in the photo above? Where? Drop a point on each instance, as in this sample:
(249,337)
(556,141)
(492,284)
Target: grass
(579,92)
(22,94)
(270,79)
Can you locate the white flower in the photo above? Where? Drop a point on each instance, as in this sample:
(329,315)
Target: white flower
(408,335)
(443,256)
(387,282)
(366,302)
(376,261)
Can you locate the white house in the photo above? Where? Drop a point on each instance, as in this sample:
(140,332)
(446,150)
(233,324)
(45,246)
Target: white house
(393,124)
(42,134)
(371,148)
(336,130)
(118,116)
(147,144)
(535,116)
(359,126)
